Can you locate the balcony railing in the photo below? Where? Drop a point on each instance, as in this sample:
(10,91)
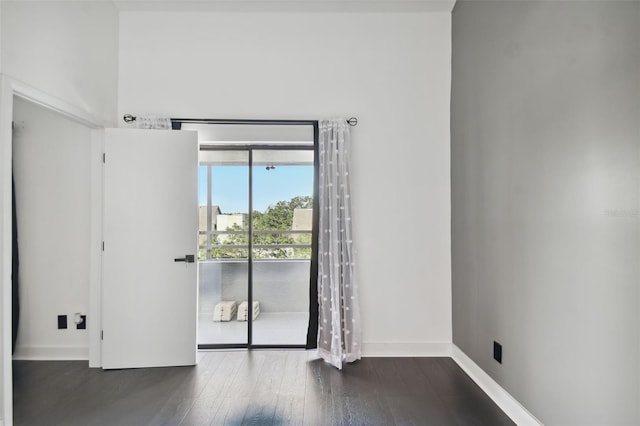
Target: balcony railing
(234,244)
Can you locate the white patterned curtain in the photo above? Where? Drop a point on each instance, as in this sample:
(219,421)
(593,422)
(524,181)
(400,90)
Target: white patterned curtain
(153,123)
(339,316)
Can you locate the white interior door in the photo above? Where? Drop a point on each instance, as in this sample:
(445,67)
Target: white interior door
(149,291)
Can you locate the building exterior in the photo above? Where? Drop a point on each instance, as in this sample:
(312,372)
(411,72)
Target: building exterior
(226,222)
(202,218)
(302,221)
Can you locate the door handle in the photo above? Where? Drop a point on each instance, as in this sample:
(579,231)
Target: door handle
(189,258)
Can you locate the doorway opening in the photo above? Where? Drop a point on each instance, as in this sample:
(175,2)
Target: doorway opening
(257,192)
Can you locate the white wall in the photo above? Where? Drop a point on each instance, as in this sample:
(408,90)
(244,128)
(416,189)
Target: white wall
(65,49)
(1,68)
(53,176)
(2,336)
(545,194)
(390,70)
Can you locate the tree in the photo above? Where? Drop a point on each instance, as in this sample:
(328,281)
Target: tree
(280,215)
(231,240)
(277,217)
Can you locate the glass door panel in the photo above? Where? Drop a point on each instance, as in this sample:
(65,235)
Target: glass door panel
(281,235)
(223,186)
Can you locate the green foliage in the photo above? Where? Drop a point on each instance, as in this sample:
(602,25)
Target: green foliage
(230,240)
(278,217)
(303,253)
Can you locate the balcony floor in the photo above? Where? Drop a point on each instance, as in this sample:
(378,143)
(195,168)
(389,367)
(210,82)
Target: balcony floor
(270,328)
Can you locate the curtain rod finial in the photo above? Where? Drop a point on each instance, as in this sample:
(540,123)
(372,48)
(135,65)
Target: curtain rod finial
(128,118)
(353,121)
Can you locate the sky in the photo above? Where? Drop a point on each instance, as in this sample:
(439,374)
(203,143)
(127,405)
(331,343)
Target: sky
(230,186)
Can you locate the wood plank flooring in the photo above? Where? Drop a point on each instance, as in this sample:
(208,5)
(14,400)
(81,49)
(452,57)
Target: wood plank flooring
(253,388)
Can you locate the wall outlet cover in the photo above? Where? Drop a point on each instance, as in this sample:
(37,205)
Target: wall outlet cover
(497,352)
(62,322)
(83,324)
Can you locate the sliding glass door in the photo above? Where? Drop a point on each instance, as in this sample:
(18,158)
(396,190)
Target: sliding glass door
(224,246)
(256,212)
(281,251)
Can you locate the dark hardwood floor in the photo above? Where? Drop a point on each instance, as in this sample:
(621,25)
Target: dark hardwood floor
(253,388)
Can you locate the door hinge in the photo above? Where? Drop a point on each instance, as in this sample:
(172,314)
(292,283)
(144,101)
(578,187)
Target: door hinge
(103,246)
(101,334)
(104,157)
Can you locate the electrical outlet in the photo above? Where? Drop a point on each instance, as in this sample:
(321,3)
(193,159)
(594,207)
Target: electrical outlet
(83,324)
(62,322)
(497,352)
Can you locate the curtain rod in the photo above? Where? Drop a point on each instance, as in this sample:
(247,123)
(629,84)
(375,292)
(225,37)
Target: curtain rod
(128,118)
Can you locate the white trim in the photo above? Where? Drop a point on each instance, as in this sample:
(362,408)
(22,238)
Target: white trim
(406,349)
(10,87)
(512,408)
(95,252)
(51,353)
(52,103)
(6,147)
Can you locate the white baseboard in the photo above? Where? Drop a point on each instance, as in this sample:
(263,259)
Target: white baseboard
(511,407)
(52,353)
(406,349)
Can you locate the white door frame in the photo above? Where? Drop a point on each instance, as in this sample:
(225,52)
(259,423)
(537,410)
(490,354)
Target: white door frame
(10,87)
